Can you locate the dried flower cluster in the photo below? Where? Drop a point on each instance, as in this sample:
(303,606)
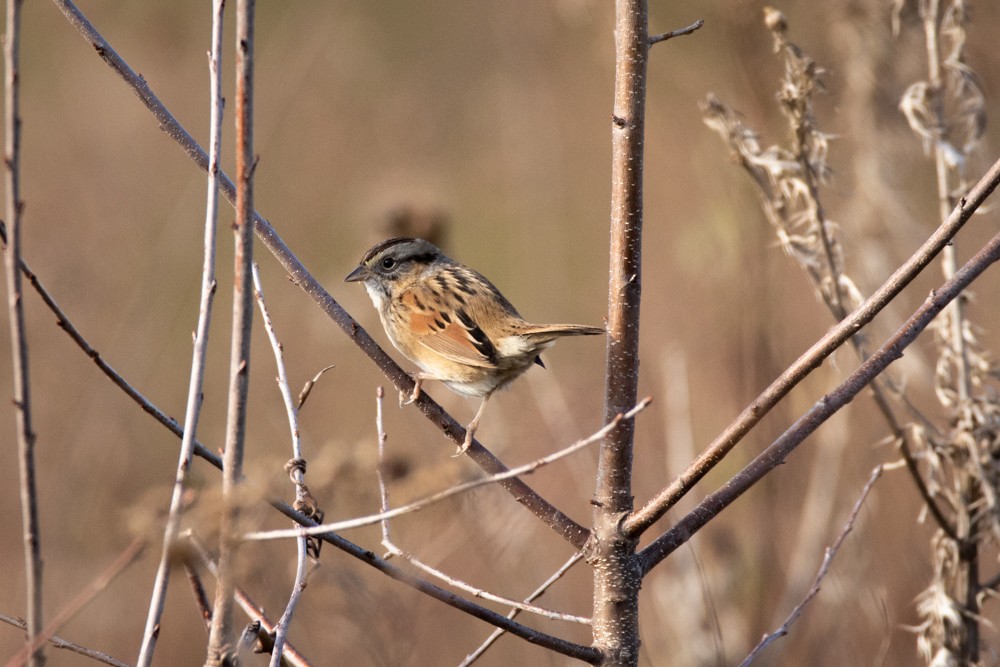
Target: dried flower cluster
(947,111)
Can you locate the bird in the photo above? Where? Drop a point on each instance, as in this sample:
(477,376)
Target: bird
(452,322)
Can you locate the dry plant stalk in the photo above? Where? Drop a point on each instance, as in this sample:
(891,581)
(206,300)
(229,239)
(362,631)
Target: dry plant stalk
(959,475)
(948,113)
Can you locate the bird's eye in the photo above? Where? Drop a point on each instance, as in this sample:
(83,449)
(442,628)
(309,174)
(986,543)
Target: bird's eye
(388,263)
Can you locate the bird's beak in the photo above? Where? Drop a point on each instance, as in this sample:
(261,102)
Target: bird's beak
(357,274)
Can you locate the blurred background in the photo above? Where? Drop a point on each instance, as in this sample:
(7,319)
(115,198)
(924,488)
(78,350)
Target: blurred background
(487,126)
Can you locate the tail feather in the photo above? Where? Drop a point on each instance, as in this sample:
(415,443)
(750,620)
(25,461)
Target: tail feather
(557,330)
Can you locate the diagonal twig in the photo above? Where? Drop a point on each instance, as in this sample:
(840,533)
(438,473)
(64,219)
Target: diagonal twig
(777,451)
(680,32)
(394,550)
(452,490)
(828,556)
(92,590)
(59,642)
(656,507)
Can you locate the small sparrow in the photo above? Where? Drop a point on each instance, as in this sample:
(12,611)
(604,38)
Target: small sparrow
(452,322)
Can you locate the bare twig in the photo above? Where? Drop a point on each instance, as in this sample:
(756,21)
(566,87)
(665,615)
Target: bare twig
(195,395)
(680,32)
(557,520)
(308,386)
(92,590)
(220,643)
(296,470)
(512,614)
(777,451)
(198,591)
(59,642)
(66,325)
(453,490)
(656,507)
(394,550)
(253,611)
(828,556)
(18,337)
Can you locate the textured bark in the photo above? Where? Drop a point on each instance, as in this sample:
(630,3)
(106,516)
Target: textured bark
(617,574)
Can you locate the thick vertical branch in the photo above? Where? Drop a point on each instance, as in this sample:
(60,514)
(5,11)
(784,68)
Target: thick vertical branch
(611,553)
(220,646)
(18,339)
(194,397)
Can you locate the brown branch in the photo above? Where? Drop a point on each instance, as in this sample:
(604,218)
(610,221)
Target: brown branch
(66,325)
(558,521)
(777,451)
(656,507)
(85,596)
(680,32)
(586,654)
(221,638)
(59,642)
(18,336)
(255,612)
(610,552)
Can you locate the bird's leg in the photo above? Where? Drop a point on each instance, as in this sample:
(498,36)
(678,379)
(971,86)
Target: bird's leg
(470,430)
(418,379)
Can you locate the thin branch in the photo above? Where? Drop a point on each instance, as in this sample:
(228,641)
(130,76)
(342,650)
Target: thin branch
(198,591)
(296,471)
(394,550)
(557,520)
(512,614)
(656,507)
(18,336)
(585,653)
(777,451)
(253,611)
(66,325)
(85,596)
(824,568)
(656,39)
(59,642)
(195,395)
(221,639)
(416,505)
